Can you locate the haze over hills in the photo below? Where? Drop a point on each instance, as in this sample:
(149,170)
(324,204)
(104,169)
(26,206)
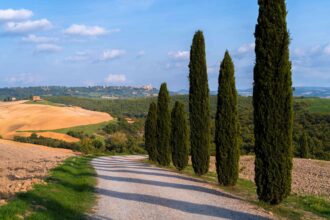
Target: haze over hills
(115,92)
(322,92)
(106,92)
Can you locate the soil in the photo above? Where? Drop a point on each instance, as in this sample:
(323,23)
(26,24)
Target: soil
(309,177)
(22,165)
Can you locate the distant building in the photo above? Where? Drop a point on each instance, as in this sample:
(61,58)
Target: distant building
(147,87)
(36,98)
(13,99)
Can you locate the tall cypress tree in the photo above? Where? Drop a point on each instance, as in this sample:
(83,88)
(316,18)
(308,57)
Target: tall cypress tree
(179,136)
(163,127)
(151,132)
(303,148)
(272,100)
(199,106)
(227,125)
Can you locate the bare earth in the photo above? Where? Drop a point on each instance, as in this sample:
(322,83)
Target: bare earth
(129,189)
(18,116)
(309,177)
(22,165)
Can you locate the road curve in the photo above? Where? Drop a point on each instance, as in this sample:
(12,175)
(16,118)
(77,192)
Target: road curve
(128,189)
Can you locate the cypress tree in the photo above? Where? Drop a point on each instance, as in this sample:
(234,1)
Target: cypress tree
(163,127)
(272,100)
(151,132)
(199,106)
(179,136)
(227,125)
(304,149)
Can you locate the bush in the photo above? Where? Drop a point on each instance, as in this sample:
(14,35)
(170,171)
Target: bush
(34,139)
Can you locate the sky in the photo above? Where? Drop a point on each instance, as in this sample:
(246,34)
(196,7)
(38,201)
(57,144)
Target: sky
(140,42)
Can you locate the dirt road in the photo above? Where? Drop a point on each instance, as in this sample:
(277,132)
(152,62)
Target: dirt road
(129,189)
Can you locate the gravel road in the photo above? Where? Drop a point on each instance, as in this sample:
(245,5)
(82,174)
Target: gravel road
(128,189)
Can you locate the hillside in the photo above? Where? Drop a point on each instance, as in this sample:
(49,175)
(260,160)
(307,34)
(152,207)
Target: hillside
(19,116)
(310,115)
(105,92)
(119,92)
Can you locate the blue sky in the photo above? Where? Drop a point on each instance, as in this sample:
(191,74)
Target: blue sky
(139,42)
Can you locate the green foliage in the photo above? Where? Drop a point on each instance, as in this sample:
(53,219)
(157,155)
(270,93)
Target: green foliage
(303,150)
(117,142)
(76,134)
(68,194)
(272,99)
(316,105)
(227,126)
(120,142)
(179,136)
(163,127)
(34,139)
(150,132)
(316,125)
(199,106)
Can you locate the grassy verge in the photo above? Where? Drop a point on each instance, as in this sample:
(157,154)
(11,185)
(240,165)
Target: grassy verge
(68,194)
(294,207)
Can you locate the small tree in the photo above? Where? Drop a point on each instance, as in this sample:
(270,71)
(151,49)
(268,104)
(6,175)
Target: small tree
(199,106)
(163,127)
(151,132)
(179,136)
(303,148)
(227,125)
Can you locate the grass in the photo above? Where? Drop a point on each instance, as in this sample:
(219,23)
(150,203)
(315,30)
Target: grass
(87,129)
(294,207)
(68,194)
(45,102)
(316,105)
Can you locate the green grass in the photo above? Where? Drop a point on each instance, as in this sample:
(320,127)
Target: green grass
(45,102)
(69,194)
(316,105)
(87,129)
(294,207)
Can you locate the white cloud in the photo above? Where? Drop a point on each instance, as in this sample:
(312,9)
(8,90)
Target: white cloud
(141,53)
(11,14)
(299,52)
(38,39)
(179,55)
(246,48)
(27,26)
(79,56)
(115,78)
(111,54)
(91,31)
(212,69)
(47,48)
(327,49)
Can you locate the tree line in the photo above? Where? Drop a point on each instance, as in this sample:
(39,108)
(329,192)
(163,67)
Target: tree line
(166,138)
